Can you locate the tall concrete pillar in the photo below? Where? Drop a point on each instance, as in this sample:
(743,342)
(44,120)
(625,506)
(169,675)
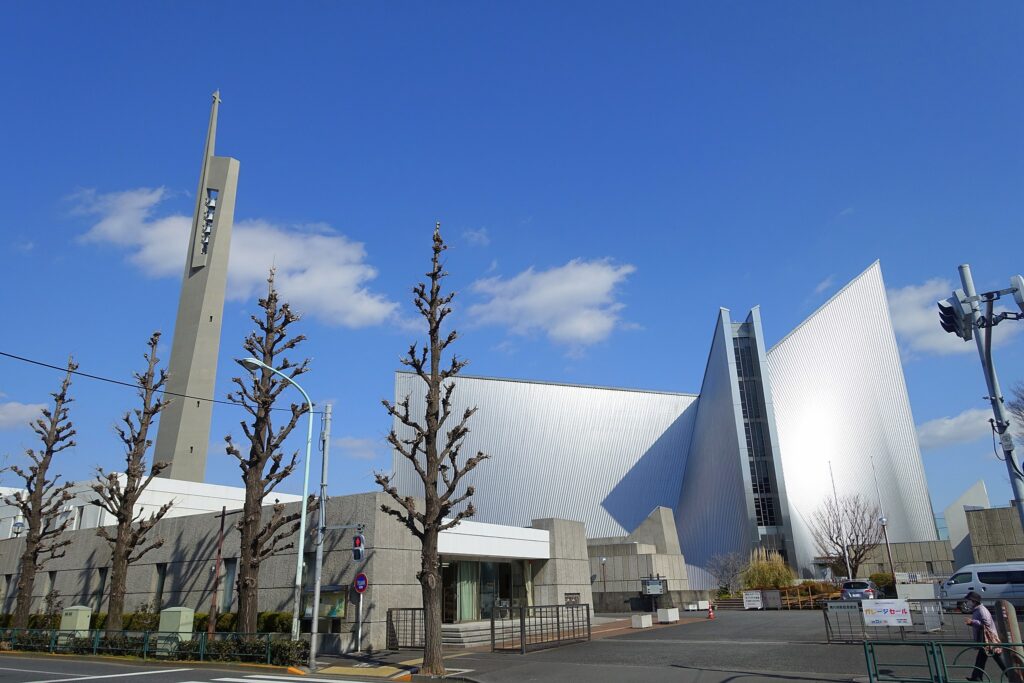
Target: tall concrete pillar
(185,424)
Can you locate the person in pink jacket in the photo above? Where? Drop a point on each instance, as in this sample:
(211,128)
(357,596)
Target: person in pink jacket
(984,632)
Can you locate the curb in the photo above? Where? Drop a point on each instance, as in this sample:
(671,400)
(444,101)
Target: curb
(133,661)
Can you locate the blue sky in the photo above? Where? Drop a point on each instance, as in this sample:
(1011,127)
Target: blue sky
(607,175)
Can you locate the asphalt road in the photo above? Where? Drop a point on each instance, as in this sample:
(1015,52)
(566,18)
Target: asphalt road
(18,668)
(737,647)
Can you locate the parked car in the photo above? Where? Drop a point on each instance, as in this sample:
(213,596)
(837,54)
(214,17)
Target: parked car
(993,581)
(860,589)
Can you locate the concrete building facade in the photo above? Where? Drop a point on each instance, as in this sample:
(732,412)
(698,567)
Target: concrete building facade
(551,558)
(995,535)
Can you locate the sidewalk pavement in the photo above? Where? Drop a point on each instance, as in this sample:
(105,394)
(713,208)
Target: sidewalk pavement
(403,665)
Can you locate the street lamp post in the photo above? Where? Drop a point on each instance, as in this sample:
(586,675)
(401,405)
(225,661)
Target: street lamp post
(884,521)
(888,549)
(321,526)
(254,364)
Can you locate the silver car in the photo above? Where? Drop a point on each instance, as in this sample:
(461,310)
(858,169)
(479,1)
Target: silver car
(860,590)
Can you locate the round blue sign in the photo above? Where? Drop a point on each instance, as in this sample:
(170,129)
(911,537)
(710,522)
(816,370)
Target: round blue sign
(361,583)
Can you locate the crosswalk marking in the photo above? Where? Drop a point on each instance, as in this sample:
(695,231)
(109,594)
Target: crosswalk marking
(92,678)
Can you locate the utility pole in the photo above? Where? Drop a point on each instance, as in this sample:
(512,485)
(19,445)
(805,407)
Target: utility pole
(211,623)
(985,322)
(325,447)
(842,527)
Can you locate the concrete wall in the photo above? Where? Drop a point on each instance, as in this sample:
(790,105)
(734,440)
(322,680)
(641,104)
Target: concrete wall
(392,559)
(617,564)
(956,521)
(995,534)
(928,558)
(391,563)
(567,571)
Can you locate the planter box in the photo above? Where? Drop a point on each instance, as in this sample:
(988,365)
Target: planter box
(668,616)
(642,621)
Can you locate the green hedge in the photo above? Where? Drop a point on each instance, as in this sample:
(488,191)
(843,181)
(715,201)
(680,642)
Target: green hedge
(266,622)
(226,647)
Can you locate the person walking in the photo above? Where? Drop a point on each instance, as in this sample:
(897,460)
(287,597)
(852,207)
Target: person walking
(984,632)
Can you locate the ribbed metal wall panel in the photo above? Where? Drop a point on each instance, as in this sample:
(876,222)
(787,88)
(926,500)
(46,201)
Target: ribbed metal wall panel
(839,395)
(606,457)
(715,512)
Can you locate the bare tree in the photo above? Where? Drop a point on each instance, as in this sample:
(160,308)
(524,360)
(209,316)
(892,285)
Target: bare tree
(128,543)
(42,498)
(847,528)
(435,459)
(263,463)
(727,570)
(1016,407)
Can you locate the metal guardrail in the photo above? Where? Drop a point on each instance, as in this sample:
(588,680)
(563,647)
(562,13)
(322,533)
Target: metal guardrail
(405,628)
(932,619)
(899,661)
(539,626)
(268,648)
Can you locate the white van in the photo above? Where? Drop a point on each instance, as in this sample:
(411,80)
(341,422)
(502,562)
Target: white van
(994,581)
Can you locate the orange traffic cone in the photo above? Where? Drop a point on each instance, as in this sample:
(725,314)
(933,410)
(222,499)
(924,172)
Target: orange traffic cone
(711,611)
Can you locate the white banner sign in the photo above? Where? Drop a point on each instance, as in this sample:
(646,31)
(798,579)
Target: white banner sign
(886,613)
(752,600)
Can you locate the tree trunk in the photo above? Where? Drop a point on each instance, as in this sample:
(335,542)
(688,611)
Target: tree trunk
(118,585)
(248,563)
(430,582)
(26,582)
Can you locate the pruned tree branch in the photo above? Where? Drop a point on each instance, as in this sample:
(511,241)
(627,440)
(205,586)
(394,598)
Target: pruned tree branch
(260,455)
(41,500)
(433,453)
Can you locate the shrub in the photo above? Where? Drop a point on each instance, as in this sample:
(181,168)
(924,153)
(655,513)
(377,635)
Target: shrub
(767,569)
(885,581)
(289,652)
(98,621)
(274,622)
(38,621)
(201,619)
(226,622)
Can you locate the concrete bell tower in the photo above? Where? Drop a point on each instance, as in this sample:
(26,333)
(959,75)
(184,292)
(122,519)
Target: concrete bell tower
(185,424)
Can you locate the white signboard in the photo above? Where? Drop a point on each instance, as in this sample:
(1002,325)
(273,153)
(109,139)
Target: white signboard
(886,613)
(752,600)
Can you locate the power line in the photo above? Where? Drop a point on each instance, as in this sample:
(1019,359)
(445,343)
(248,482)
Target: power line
(124,384)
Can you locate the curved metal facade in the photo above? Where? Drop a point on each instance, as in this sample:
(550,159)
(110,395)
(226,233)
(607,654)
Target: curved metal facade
(715,510)
(831,390)
(839,395)
(604,457)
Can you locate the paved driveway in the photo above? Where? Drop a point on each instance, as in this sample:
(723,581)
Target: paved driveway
(747,647)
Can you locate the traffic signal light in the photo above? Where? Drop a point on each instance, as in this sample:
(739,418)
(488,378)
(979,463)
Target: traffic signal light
(358,547)
(956,316)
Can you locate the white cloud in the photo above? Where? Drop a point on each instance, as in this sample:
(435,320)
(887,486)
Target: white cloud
(358,448)
(970,425)
(825,285)
(478,238)
(572,304)
(319,271)
(915,318)
(14,414)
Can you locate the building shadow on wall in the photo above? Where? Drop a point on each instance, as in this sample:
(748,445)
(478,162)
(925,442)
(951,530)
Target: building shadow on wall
(657,477)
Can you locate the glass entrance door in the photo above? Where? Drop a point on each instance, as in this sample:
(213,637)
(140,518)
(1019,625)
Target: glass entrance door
(449,592)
